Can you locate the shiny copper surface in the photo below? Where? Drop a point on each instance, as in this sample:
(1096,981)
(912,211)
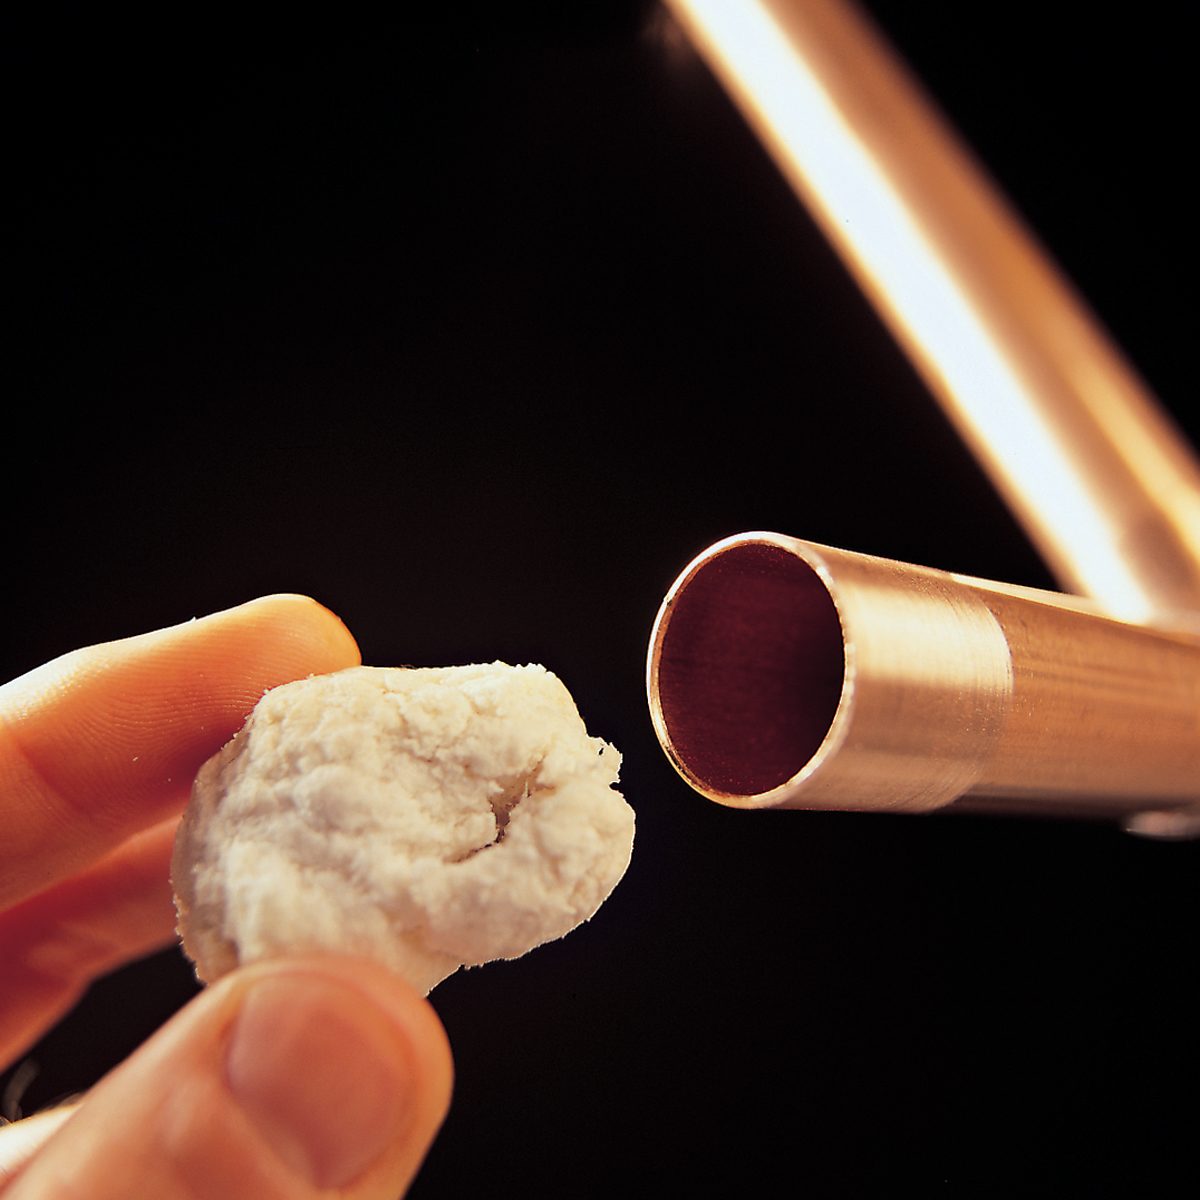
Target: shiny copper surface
(786,674)
(1080,449)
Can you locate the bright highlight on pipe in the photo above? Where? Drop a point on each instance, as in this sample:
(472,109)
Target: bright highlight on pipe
(1075,443)
(784,674)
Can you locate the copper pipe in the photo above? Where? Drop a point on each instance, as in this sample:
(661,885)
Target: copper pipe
(1083,454)
(786,674)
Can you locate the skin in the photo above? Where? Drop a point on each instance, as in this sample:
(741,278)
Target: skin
(317,1076)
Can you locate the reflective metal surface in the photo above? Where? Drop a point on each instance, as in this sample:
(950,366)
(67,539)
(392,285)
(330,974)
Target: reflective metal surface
(1077,445)
(786,674)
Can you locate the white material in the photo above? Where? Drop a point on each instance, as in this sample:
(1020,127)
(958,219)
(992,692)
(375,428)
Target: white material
(426,818)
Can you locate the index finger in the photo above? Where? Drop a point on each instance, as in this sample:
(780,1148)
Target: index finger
(105,741)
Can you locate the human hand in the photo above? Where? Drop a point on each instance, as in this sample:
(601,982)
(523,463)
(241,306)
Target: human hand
(303,1077)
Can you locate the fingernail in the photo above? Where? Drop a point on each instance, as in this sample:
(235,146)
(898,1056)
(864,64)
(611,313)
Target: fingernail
(322,1074)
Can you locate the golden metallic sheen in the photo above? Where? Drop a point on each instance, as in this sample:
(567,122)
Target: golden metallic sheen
(786,674)
(1082,452)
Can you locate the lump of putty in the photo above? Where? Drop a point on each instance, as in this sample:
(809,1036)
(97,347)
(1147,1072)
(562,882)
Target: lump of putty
(427,818)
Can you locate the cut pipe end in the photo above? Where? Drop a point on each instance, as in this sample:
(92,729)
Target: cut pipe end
(747,669)
(787,674)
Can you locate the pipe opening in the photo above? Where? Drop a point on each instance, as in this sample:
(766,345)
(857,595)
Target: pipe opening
(750,669)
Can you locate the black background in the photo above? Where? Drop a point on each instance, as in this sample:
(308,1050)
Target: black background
(477,328)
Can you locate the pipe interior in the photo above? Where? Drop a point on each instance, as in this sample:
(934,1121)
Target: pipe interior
(750,669)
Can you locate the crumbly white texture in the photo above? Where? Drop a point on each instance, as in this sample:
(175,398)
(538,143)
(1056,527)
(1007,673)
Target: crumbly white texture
(427,818)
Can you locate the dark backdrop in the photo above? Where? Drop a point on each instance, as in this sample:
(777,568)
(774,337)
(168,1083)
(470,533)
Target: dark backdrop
(477,328)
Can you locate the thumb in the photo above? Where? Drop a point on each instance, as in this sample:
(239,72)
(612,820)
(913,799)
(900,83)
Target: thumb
(295,1079)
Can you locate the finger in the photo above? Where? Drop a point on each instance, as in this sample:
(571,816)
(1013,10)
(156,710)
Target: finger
(105,741)
(54,944)
(284,1081)
(21,1141)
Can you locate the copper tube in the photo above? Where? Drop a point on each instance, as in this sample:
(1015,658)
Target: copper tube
(1082,452)
(787,674)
